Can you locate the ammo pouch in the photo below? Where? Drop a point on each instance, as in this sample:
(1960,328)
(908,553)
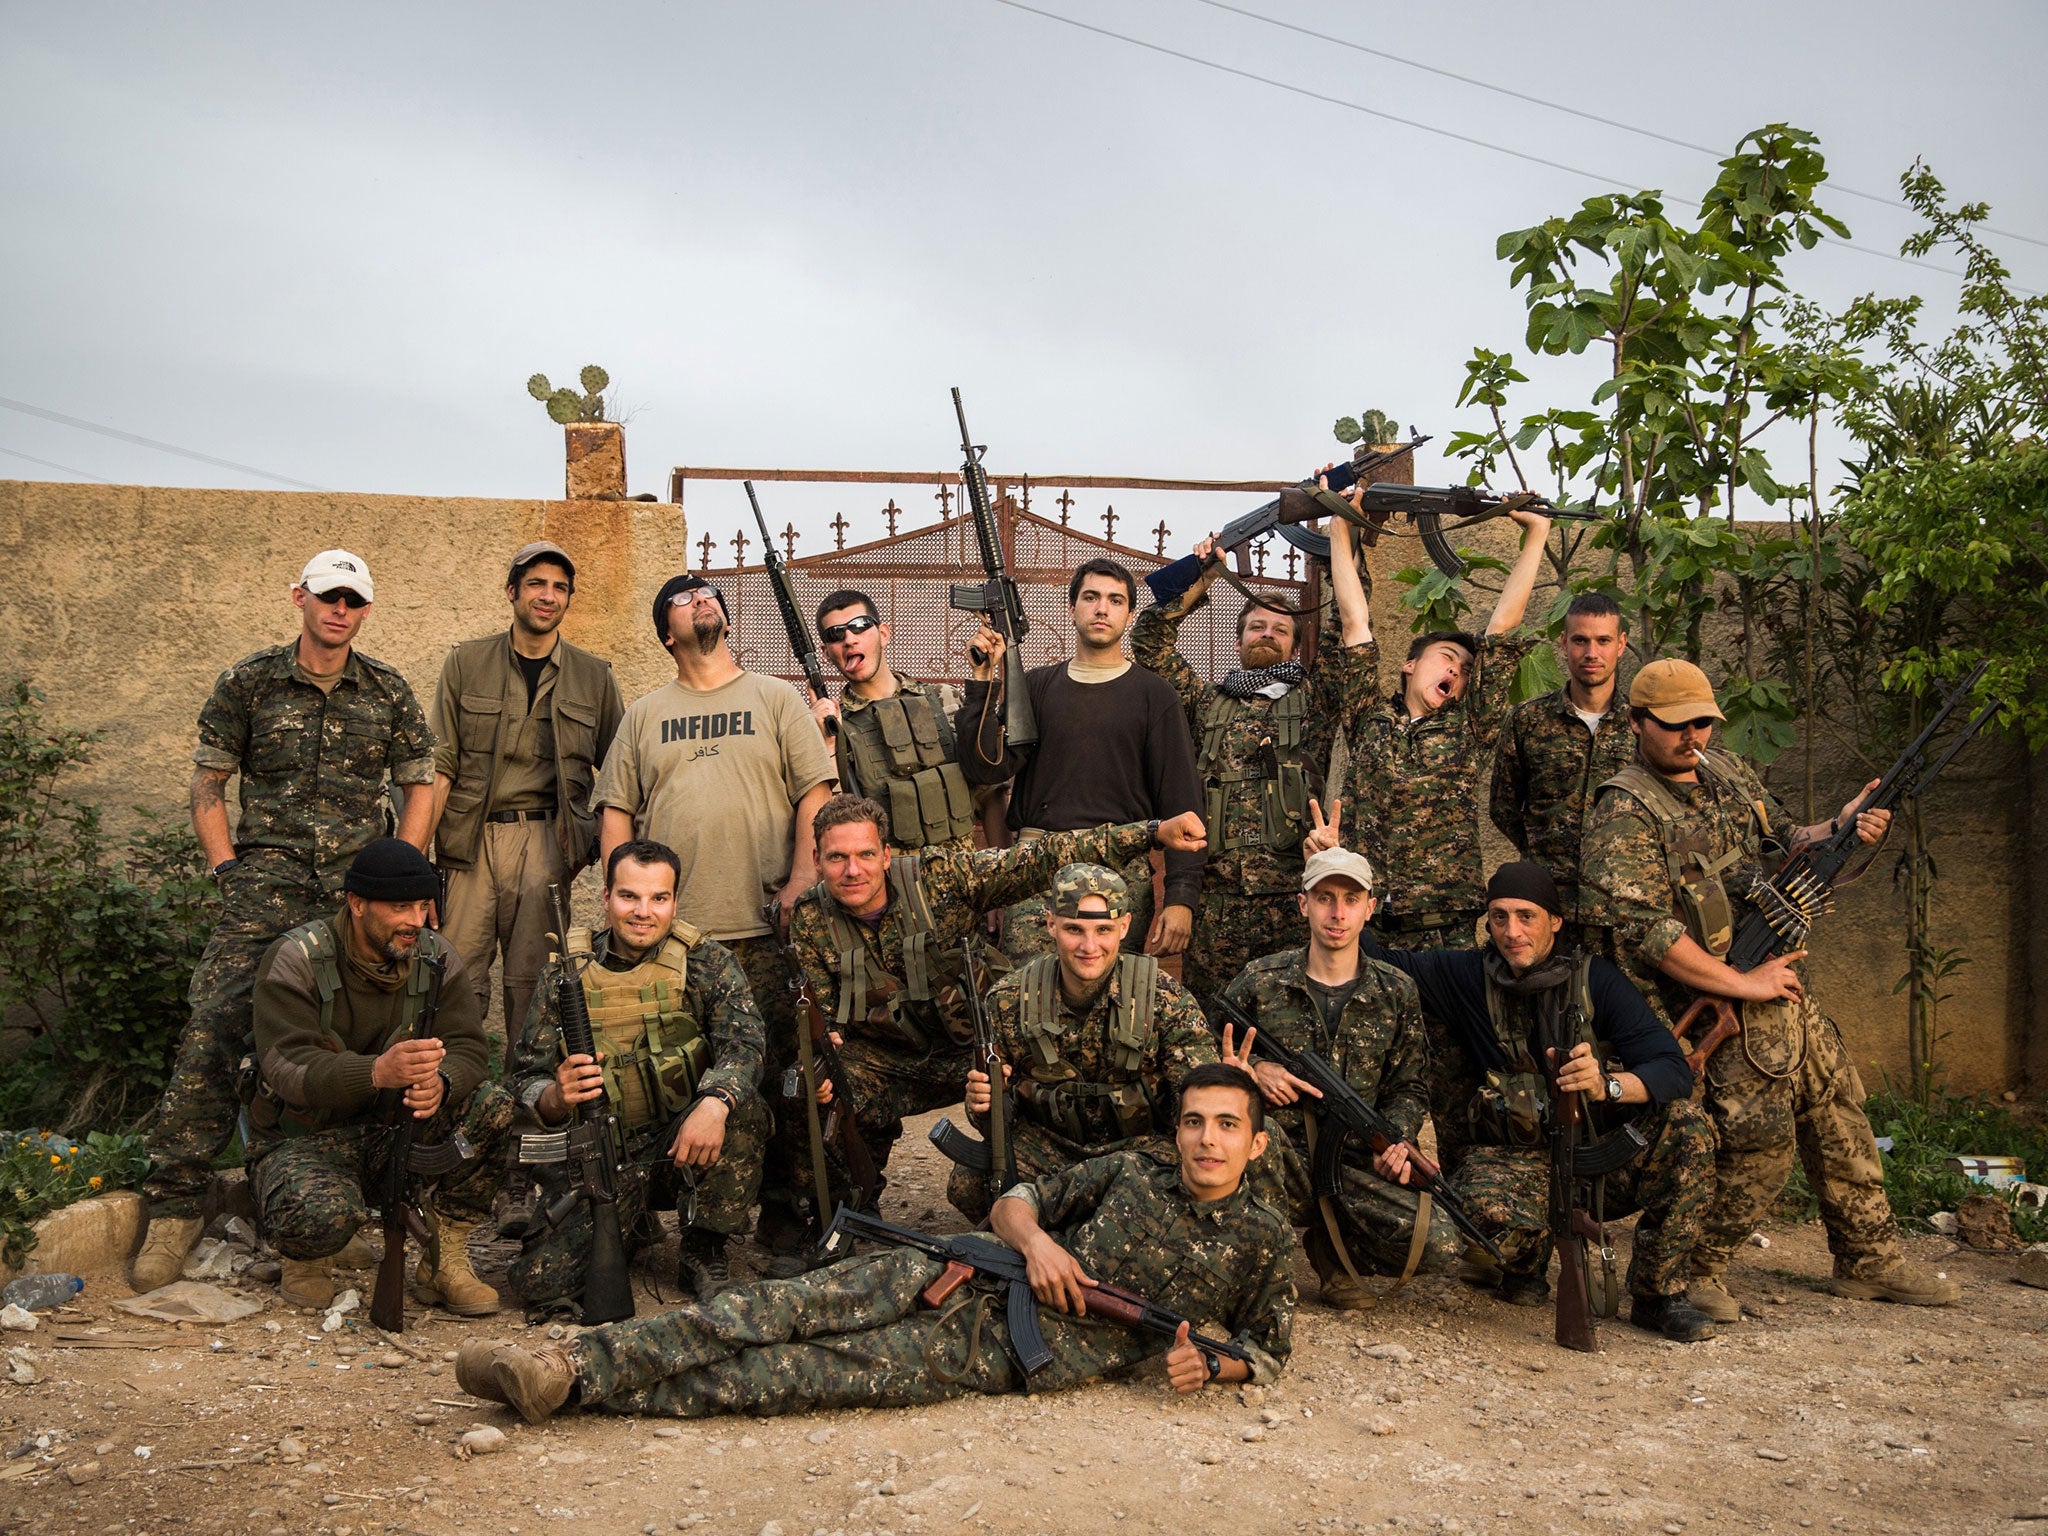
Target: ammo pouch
(1511,1110)
(653,1046)
(1092,1114)
(901,749)
(1284,782)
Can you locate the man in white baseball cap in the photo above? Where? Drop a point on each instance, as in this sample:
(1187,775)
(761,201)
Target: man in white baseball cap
(336,568)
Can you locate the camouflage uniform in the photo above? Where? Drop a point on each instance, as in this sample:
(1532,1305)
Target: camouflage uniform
(1787,1079)
(1380,1049)
(1545,773)
(1094,1082)
(319,1134)
(1256,788)
(854,1335)
(548,1274)
(905,1055)
(313,767)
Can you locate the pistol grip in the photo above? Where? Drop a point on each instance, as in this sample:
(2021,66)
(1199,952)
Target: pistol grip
(957,1274)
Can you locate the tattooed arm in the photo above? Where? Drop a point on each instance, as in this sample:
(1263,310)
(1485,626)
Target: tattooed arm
(210,814)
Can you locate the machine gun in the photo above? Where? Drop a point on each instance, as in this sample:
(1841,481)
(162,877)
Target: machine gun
(1350,1115)
(591,1144)
(1784,908)
(997,600)
(401,1211)
(802,644)
(980,1253)
(993,1156)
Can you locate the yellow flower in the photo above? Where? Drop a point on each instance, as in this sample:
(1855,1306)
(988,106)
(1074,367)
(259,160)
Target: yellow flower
(94,1181)
(56,1161)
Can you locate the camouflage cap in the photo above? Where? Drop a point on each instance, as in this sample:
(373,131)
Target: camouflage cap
(1074,882)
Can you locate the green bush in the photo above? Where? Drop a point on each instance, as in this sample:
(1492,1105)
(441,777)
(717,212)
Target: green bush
(37,1177)
(97,939)
(1917,1180)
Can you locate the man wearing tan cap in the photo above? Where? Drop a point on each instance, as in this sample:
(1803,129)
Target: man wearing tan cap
(316,732)
(1675,843)
(522,718)
(1363,1017)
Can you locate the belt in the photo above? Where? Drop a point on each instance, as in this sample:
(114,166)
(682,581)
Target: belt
(508,816)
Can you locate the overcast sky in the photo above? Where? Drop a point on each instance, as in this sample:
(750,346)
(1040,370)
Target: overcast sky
(332,242)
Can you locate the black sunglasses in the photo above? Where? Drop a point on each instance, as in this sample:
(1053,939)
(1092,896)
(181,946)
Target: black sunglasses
(341,595)
(1704,723)
(832,634)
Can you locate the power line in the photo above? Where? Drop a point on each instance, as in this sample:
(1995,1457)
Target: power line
(1408,122)
(15,453)
(1558,106)
(150,442)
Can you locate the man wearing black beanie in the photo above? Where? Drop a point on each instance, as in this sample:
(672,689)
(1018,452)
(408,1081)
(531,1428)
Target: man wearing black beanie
(337,1000)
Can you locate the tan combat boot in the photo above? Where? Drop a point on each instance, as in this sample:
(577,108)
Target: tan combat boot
(1343,1294)
(534,1382)
(1915,1285)
(161,1258)
(307,1283)
(444,1278)
(360,1253)
(1708,1294)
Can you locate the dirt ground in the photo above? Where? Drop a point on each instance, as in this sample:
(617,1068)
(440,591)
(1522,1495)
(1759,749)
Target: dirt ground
(1441,1410)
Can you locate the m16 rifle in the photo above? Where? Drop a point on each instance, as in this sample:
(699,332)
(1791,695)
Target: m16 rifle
(992,1156)
(801,643)
(997,600)
(980,1253)
(405,1165)
(1784,908)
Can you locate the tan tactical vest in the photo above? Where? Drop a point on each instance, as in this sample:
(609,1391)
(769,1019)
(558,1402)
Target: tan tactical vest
(1695,866)
(653,1046)
(905,1005)
(1286,780)
(900,751)
(1093,1114)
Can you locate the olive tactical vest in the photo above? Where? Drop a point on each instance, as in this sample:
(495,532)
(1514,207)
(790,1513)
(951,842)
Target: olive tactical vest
(1285,780)
(1512,1107)
(905,1005)
(1696,868)
(653,1045)
(900,750)
(1092,1114)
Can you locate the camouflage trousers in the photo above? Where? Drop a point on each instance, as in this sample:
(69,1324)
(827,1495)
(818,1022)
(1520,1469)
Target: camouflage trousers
(1813,1101)
(263,898)
(548,1274)
(1452,1081)
(313,1192)
(770,980)
(1025,933)
(1231,931)
(1672,1184)
(853,1335)
(1375,1218)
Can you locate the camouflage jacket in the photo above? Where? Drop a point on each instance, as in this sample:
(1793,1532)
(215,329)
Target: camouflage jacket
(1340,686)
(1626,865)
(1544,777)
(1179,1039)
(719,1000)
(959,888)
(1414,791)
(314,765)
(1227,1264)
(1379,1045)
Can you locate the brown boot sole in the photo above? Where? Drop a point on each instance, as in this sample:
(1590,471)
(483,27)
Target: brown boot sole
(1870,1290)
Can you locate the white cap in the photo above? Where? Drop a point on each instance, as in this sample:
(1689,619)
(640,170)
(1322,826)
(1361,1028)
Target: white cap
(333,568)
(1341,862)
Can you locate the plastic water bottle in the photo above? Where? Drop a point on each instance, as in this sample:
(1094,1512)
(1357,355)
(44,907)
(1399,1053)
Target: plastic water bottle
(39,1293)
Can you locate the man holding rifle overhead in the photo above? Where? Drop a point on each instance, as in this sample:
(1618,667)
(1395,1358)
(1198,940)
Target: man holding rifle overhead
(1675,843)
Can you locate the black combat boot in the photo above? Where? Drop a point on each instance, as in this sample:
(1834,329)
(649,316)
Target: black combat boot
(702,1266)
(1522,1289)
(1673,1316)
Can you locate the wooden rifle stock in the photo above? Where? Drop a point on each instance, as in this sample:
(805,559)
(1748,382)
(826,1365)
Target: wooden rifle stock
(1727,1017)
(387,1301)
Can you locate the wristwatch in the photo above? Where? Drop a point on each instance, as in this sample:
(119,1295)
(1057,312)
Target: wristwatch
(1152,833)
(225,865)
(1214,1362)
(1613,1089)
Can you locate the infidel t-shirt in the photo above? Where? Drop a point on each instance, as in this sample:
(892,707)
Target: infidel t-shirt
(716,775)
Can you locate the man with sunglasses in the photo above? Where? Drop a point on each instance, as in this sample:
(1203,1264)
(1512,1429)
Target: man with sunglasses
(1676,843)
(317,731)
(894,743)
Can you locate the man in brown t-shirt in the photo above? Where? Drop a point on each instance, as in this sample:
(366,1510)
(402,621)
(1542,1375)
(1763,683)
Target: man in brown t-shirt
(727,768)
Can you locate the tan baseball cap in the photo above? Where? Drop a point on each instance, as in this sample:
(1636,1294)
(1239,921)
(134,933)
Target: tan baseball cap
(539,548)
(1674,691)
(333,569)
(1354,867)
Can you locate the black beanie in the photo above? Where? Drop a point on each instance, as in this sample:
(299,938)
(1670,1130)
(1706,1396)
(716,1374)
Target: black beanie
(1525,880)
(390,869)
(689,581)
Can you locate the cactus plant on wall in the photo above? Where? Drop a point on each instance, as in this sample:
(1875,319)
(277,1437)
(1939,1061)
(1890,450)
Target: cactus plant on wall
(566,405)
(1371,427)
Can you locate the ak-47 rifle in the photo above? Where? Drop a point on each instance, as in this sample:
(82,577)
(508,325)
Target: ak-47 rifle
(835,1125)
(400,1203)
(979,1253)
(1576,1167)
(997,600)
(992,1156)
(1784,908)
(801,643)
(592,1144)
(1348,1114)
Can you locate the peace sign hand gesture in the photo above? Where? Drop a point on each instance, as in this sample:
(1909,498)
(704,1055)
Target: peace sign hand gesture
(1322,834)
